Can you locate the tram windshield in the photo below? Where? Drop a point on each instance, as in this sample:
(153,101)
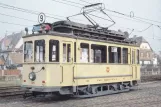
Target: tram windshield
(39,50)
(28,51)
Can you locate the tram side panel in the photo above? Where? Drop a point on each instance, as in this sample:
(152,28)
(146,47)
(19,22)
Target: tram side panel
(102,73)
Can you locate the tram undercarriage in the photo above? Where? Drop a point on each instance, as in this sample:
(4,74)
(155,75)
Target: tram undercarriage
(83,91)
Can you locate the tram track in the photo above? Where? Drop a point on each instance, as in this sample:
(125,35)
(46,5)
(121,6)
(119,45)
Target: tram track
(11,91)
(146,100)
(16,90)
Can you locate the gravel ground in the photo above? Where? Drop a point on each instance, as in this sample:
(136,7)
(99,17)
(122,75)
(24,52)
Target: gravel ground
(146,95)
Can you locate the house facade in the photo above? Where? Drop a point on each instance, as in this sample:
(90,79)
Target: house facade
(11,53)
(146,53)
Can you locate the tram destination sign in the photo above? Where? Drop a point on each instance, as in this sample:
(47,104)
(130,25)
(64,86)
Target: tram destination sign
(41,18)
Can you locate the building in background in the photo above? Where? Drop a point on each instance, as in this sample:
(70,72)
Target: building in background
(11,51)
(147,56)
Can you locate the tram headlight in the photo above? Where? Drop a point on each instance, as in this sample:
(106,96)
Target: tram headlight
(32,76)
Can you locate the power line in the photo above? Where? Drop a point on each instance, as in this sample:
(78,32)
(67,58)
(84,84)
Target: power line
(108,10)
(26,10)
(146,28)
(49,15)
(66,3)
(73,2)
(138,20)
(2,5)
(14,24)
(78,7)
(125,14)
(135,17)
(85,1)
(36,12)
(159,27)
(159,39)
(30,12)
(16,17)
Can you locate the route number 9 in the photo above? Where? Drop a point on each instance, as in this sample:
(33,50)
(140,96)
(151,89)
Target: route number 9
(41,18)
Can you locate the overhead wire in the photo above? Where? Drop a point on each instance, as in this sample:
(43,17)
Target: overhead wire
(135,19)
(16,17)
(36,12)
(74,2)
(6,6)
(124,14)
(66,3)
(146,28)
(2,5)
(49,15)
(78,7)
(131,32)
(138,20)
(14,24)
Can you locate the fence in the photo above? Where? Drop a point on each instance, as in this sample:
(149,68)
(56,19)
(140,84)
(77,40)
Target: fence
(150,73)
(150,70)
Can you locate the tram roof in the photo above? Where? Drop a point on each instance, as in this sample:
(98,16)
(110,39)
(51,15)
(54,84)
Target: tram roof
(70,35)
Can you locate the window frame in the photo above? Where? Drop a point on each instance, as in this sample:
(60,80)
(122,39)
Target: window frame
(24,55)
(68,52)
(133,56)
(39,50)
(80,56)
(118,54)
(137,56)
(53,42)
(127,56)
(103,49)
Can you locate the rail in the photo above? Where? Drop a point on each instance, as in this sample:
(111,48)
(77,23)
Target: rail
(11,91)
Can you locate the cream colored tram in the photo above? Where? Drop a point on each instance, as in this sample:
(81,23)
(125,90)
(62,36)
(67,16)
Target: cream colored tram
(62,63)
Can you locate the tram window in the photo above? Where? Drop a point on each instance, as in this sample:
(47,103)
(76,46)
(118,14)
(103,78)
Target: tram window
(138,57)
(84,52)
(98,53)
(28,51)
(125,55)
(133,57)
(114,54)
(39,50)
(66,52)
(54,51)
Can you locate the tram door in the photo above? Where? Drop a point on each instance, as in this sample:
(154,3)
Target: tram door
(133,63)
(67,64)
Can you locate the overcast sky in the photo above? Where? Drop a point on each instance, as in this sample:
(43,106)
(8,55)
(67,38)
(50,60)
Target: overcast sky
(150,9)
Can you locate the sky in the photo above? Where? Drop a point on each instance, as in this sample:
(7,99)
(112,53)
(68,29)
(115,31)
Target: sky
(149,9)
